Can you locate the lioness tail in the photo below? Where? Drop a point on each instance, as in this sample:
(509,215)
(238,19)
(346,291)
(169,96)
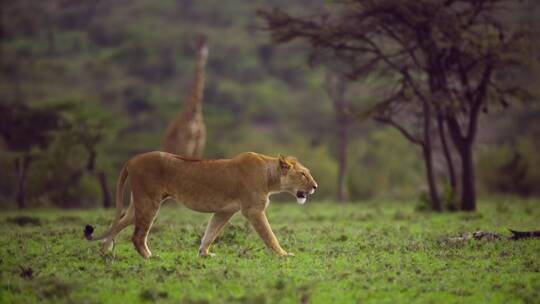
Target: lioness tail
(88,229)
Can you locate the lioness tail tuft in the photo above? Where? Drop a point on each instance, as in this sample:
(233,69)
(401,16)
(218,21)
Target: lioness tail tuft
(88,230)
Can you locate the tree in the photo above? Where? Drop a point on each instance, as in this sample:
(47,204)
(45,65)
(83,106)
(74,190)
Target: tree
(415,125)
(26,130)
(77,151)
(30,133)
(444,54)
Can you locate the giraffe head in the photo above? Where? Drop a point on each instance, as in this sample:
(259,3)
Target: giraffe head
(202,47)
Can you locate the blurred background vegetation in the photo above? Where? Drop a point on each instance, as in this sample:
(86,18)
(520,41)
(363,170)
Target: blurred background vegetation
(98,81)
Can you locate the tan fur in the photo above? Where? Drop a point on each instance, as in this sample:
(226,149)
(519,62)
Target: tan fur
(222,187)
(186,134)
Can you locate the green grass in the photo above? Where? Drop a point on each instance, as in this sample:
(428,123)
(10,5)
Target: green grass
(366,252)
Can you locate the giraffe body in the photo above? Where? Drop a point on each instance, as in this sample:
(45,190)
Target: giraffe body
(186,134)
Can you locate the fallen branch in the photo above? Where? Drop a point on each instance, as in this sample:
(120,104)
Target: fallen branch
(516,235)
(492,236)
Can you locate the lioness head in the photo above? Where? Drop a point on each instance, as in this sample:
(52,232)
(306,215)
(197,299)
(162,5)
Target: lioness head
(296,179)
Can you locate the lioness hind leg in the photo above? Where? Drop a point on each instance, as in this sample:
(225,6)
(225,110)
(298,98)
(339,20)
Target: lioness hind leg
(145,213)
(125,221)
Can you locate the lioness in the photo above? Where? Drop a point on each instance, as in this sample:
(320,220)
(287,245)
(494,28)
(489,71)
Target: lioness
(223,187)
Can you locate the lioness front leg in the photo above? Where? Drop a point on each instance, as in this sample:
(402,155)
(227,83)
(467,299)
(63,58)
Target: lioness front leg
(215,226)
(258,220)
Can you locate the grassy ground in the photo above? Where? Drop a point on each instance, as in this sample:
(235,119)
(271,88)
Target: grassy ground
(344,253)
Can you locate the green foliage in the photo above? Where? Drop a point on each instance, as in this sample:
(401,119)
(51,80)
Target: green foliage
(125,70)
(379,164)
(23,128)
(77,152)
(368,253)
(66,141)
(511,168)
(134,62)
(450,198)
(424,202)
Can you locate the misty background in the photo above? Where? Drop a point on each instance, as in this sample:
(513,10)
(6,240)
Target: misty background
(104,79)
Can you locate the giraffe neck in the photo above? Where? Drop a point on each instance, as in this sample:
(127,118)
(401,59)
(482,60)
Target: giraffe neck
(197,89)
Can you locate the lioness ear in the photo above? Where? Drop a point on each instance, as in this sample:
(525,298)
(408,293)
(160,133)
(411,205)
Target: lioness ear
(291,159)
(283,163)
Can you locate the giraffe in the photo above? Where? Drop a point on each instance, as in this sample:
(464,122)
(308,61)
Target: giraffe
(186,134)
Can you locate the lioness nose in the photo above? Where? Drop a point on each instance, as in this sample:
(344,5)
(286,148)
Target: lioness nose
(314,186)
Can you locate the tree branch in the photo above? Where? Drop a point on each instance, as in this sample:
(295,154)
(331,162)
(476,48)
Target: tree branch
(401,129)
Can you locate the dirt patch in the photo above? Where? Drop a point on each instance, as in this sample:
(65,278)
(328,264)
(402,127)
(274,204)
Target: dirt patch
(477,235)
(26,272)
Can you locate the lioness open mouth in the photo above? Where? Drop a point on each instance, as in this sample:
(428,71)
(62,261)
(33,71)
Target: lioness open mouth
(301,197)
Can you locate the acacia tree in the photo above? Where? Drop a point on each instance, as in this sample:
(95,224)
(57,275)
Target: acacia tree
(78,151)
(88,133)
(445,54)
(26,130)
(30,133)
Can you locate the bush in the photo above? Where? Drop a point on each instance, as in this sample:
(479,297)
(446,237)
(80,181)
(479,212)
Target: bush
(384,165)
(511,168)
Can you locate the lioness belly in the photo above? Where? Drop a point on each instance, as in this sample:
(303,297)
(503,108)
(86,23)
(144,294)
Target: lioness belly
(208,204)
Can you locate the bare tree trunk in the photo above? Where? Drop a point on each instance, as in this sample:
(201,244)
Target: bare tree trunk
(343,125)
(468,194)
(464,146)
(335,86)
(425,143)
(22,165)
(465,141)
(102,177)
(432,185)
(428,158)
(446,152)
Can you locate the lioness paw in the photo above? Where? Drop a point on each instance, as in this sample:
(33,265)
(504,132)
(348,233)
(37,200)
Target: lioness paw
(206,254)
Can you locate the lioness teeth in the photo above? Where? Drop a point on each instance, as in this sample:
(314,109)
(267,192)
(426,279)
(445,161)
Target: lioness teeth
(301,197)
